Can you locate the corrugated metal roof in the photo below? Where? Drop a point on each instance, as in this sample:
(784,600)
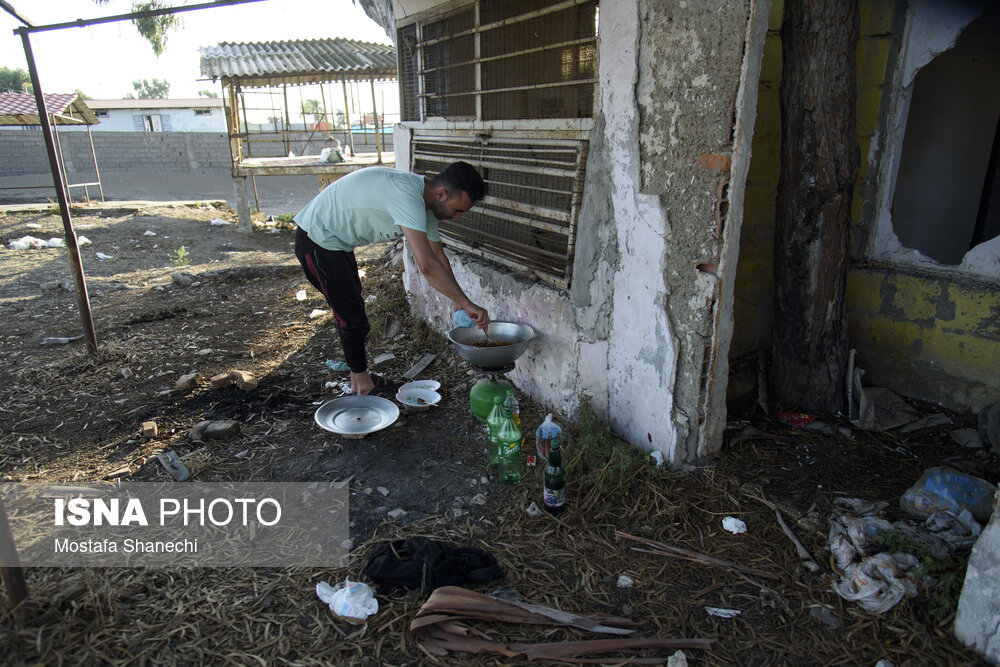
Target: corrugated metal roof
(179,103)
(21,109)
(305,61)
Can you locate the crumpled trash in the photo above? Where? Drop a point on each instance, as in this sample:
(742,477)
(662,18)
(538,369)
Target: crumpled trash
(300,295)
(734,525)
(797,420)
(878,583)
(55,242)
(337,365)
(26,242)
(352,599)
(722,613)
(625,581)
(101,255)
(462,319)
(878,580)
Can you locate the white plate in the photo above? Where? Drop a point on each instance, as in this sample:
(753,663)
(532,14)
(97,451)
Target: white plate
(356,415)
(417,398)
(433,385)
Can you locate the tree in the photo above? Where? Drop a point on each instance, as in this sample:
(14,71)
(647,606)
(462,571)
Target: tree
(147,90)
(13,80)
(207,93)
(83,95)
(310,107)
(819,161)
(153,28)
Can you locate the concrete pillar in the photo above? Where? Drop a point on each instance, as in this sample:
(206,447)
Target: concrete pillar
(242,203)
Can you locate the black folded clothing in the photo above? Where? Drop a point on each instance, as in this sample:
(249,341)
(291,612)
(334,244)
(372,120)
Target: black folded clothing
(419,562)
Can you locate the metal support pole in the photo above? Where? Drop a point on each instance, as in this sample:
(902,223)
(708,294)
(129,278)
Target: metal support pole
(93,154)
(378,137)
(347,116)
(72,247)
(12,573)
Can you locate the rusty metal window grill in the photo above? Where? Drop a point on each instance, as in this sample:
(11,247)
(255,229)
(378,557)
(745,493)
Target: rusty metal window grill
(501,60)
(508,86)
(528,219)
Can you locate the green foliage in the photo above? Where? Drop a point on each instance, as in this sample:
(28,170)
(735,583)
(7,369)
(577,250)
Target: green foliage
(943,578)
(14,80)
(83,95)
(286,217)
(154,28)
(310,107)
(149,90)
(180,257)
(207,93)
(599,461)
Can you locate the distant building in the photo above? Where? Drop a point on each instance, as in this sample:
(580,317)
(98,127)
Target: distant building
(202,114)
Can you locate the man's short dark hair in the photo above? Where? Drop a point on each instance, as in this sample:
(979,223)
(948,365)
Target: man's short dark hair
(462,177)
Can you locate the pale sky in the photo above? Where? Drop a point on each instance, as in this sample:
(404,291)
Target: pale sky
(104,60)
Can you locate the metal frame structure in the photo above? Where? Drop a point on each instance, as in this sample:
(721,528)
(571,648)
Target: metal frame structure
(55,120)
(259,68)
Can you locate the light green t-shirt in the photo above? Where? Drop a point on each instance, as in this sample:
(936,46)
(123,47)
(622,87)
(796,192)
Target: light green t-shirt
(367,206)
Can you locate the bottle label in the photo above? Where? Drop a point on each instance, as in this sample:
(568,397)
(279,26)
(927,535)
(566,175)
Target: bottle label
(554,497)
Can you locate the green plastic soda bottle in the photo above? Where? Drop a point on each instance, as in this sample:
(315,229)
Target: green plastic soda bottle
(509,445)
(493,424)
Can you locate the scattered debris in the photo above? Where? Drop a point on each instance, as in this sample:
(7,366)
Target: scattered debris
(533,510)
(102,256)
(944,488)
(149,430)
(723,613)
(174,466)
(188,381)
(625,581)
(396,513)
(383,358)
(221,429)
(244,380)
(184,279)
(661,549)
(936,419)
(337,366)
(734,525)
(221,380)
(351,599)
(60,340)
(967,437)
(300,295)
(796,420)
(418,367)
(442,625)
(807,560)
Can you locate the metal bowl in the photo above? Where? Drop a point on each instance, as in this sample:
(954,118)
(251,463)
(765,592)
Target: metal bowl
(517,334)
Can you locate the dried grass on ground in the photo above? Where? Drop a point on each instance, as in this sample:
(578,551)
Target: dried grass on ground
(66,416)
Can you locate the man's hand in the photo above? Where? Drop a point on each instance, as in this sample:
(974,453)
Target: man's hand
(478,315)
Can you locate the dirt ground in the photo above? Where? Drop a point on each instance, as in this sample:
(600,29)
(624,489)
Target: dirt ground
(228,302)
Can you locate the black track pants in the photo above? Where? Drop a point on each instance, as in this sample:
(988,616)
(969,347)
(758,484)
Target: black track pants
(335,274)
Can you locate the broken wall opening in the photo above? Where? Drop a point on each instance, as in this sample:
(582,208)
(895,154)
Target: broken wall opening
(948,187)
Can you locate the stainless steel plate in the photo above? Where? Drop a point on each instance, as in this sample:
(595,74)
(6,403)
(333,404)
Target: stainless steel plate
(356,415)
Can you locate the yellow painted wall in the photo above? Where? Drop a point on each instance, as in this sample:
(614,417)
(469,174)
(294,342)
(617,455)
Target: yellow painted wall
(932,338)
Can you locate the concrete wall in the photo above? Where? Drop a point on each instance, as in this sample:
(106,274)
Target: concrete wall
(636,332)
(186,152)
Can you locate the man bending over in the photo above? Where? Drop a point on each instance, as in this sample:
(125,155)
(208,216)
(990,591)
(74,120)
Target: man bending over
(380,204)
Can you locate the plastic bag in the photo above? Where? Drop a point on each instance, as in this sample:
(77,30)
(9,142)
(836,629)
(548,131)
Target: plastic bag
(948,489)
(351,599)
